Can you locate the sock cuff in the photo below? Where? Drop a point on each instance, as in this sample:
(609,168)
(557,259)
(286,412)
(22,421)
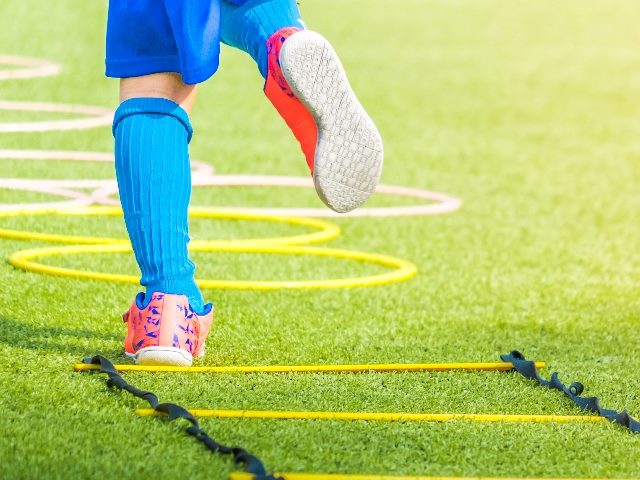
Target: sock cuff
(149,105)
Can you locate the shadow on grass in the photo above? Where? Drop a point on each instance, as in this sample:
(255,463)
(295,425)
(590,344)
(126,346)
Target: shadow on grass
(58,338)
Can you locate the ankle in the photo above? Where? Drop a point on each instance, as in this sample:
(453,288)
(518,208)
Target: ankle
(180,286)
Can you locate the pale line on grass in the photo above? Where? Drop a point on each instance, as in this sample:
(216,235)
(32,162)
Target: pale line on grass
(33,68)
(98,117)
(443,203)
(28,68)
(61,186)
(79,199)
(201,168)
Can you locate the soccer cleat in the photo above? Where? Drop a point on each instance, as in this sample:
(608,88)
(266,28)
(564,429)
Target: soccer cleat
(165,331)
(308,86)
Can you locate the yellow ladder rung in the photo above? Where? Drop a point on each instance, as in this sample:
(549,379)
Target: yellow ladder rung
(380,416)
(346,476)
(383,367)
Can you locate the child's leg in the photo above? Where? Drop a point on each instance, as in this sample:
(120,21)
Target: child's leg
(152,132)
(159,85)
(306,83)
(146,40)
(248,24)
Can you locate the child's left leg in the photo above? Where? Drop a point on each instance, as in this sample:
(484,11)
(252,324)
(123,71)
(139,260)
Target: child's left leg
(169,323)
(160,49)
(306,83)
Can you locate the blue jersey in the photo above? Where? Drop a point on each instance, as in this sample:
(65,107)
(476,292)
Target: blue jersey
(151,36)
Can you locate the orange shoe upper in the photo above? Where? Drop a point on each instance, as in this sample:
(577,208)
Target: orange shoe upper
(294,113)
(166,321)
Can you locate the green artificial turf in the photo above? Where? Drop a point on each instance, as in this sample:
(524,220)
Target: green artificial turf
(64,169)
(528,111)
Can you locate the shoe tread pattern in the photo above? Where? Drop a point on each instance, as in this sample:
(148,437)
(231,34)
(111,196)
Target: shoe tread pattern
(349,154)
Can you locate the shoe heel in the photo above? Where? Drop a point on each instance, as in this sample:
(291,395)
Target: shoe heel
(163,356)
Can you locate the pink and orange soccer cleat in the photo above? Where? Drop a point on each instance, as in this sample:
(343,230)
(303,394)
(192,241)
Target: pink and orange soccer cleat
(308,86)
(165,331)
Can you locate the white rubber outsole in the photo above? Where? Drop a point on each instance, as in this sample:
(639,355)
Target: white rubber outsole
(162,356)
(349,153)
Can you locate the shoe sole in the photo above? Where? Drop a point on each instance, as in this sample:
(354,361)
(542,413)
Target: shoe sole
(162,356)
(349,153)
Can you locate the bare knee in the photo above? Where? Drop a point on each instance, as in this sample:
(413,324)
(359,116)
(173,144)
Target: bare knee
(159,85)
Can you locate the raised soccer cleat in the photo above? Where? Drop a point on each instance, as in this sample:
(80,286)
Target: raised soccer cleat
(165,331)
(308,86)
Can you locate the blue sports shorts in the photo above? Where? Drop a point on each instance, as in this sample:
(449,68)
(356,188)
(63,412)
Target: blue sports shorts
(152,36)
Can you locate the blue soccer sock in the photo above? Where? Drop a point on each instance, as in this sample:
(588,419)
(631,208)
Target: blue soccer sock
(248,24)
(154,179)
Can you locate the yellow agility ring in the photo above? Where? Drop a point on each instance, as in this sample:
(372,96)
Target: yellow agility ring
(326,231)
(402,269)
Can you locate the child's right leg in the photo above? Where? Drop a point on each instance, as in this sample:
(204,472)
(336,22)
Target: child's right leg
(306,83)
